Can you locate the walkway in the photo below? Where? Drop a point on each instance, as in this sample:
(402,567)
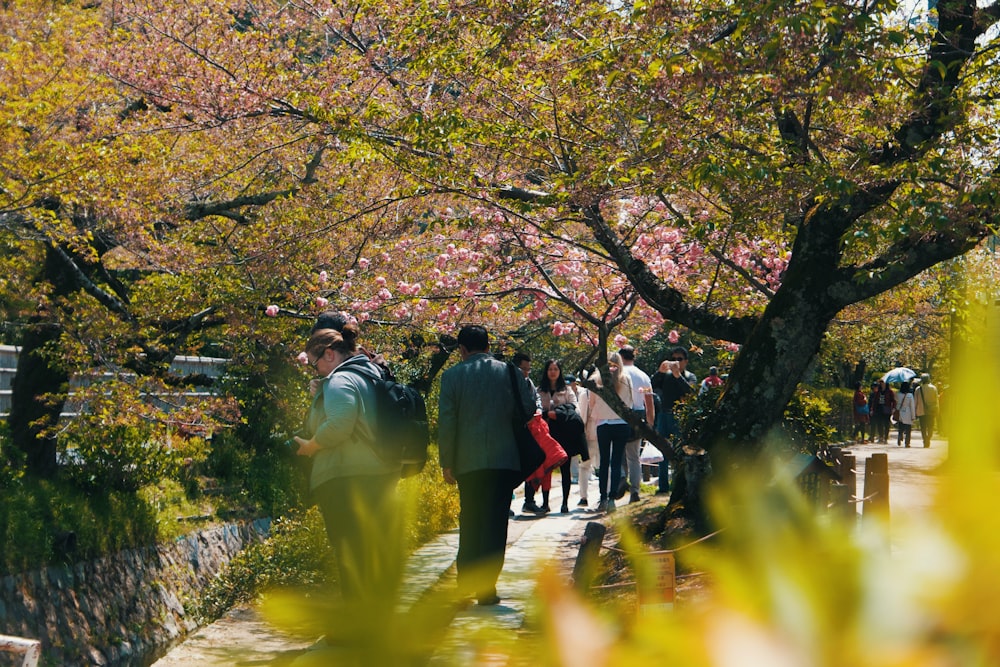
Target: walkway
(242,637)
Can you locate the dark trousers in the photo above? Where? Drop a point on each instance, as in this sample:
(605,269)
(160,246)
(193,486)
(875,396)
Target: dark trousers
(484,498)
(611,440)
(364,526)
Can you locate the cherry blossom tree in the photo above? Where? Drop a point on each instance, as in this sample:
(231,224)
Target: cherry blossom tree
(745,171)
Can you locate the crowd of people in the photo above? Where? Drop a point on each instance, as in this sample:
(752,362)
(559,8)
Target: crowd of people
(916,401)
(481,400)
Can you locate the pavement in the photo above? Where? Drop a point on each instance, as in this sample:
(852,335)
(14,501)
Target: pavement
(912,471)
(243,637)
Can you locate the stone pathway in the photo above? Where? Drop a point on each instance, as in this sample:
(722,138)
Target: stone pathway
(243,637)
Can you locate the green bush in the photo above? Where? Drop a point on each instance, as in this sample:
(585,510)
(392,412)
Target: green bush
(432,505)
(804,427)
(840,419)
(46,522)
(295,554)
(805,424)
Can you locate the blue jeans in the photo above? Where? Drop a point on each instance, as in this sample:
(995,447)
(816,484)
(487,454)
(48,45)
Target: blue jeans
(611,441)
(667,426)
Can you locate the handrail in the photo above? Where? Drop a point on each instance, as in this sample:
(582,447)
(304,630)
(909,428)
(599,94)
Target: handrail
(30,648)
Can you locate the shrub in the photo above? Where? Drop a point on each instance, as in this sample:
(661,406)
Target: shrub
(432,505)
(804,426)
(295,554)
(45,522)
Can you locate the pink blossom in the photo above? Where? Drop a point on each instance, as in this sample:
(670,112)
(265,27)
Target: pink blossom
(557,328)
(673,336)
(350,273)
(494,307)
(323,276)
(303,358)
(621,341)
(380,281)
(363,263)
(271,311)
(384,294)
(321,302)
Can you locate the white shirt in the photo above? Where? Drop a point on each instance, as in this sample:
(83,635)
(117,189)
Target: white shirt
(641,385)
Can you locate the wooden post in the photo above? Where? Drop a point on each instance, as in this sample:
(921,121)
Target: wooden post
(590,551)
(840,500)
(877,485)
(849,477)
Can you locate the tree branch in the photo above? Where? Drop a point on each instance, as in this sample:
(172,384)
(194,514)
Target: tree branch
(106,299)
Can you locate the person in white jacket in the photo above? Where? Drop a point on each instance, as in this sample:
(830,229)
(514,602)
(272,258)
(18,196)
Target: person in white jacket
(907,409)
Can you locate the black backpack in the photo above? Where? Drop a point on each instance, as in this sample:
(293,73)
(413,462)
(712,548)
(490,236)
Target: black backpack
(402,433)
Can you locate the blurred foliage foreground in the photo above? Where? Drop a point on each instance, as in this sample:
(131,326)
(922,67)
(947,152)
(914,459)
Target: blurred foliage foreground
(786,587)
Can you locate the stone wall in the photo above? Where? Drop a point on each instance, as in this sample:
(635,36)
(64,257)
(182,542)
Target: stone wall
(118,609)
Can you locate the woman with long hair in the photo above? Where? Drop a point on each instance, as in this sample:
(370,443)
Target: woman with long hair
(612,431)
(559,403)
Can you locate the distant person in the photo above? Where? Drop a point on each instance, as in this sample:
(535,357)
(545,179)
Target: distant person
(860,414)
(559,408)
(713,381)
(906,412)
(522,361)
(882,402)
(354,488)
(928,407)
(612,431)
(587,466)
(672,382)
(477,449)
(643,406)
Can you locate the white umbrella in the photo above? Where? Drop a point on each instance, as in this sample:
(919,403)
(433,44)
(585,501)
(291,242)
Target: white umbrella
(899,374)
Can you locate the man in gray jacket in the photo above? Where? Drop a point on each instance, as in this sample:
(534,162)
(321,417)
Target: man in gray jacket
(478,452)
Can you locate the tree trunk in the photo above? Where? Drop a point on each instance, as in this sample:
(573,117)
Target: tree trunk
(773,359)
(36,377)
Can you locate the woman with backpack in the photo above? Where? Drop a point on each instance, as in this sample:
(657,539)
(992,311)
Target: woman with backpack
(354,488)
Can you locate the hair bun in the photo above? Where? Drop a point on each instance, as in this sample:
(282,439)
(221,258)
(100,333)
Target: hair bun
(350,332)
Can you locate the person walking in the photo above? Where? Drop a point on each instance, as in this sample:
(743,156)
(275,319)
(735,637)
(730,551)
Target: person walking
(354,489)
(906,412)
(478,452)
(522,361)
(927,404)
(559,408)
(881,406)
(612,431)
(643,407)
(860,414)
(588,465)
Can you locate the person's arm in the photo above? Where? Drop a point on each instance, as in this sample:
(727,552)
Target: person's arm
(447,426)
(342,408)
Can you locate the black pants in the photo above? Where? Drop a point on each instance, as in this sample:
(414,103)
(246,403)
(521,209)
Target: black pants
(484,496)
(364,526)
